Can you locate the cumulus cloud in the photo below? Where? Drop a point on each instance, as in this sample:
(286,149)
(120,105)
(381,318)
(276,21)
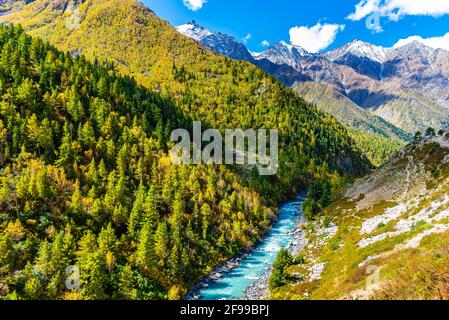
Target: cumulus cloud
(395,9)
(194,5)
(316,38)
(433,42)
(265,43)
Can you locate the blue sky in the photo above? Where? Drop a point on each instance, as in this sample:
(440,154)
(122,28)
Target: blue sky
(320,24)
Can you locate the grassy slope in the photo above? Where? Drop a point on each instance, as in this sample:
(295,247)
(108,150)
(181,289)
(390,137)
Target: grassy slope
(347,112)
(417,177)
(412,112)
(375,137)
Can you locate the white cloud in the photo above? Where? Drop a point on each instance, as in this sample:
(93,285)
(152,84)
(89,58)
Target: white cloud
(247,37)
(433,42)
(395,9)
(194,5)
(315,38)
(363,9)
(433,8)
(265,43)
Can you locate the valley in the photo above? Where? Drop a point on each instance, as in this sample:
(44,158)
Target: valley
(93,186)
(247,276)
(87,112)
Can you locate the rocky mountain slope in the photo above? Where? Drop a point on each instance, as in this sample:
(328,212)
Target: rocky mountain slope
(406,86)
(383,81)
(386,237)
(221,43)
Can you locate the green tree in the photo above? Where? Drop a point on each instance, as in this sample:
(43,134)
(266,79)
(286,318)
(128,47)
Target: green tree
(161,242)
(278,276)
(418,137)
(7,252)
(430,132)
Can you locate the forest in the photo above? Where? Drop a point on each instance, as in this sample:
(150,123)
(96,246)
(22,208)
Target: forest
(86,180)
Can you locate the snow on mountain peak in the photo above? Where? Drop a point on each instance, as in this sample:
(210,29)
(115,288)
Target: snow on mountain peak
(193,30)
(221,43)
(284,53)
(359,49)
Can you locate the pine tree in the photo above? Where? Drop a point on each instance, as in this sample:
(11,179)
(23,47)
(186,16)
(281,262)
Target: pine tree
(44,258)
(7,252)
(146,246)
(137,212)
(126,285)
(161,242)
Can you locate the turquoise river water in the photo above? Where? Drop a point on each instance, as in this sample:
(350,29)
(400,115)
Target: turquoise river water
(234,283)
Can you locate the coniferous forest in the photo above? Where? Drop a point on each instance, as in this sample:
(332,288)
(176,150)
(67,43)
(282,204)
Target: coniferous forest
(86,180)
(93,207)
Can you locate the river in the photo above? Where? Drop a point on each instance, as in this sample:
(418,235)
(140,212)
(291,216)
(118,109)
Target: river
(252,270)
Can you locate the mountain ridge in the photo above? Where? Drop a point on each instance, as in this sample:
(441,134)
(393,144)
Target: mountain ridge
(373,77)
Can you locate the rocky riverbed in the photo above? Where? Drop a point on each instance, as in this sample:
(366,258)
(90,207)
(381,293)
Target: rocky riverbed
(259,290)
(215,275)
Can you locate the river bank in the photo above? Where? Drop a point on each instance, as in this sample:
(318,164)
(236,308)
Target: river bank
(246,276)
(259,290)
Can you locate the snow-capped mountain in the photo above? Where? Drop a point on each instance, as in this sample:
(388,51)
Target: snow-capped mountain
(359,49)
(365,58)
(193,30)
(407,86)
(221,43)
(284,53)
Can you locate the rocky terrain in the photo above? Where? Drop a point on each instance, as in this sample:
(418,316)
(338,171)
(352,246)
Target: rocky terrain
(221,43)
(389,227)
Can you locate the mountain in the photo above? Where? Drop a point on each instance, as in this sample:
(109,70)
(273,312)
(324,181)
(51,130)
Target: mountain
(285,54)
(86,180)
(421,69)
(383,81)
(295,66)
(358,49)
(220,43)
(228,46)
(377,138)
(406,86)
(146,47)
(384,237)
(364,58)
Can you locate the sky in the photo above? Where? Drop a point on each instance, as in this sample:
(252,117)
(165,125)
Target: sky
(316,25)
